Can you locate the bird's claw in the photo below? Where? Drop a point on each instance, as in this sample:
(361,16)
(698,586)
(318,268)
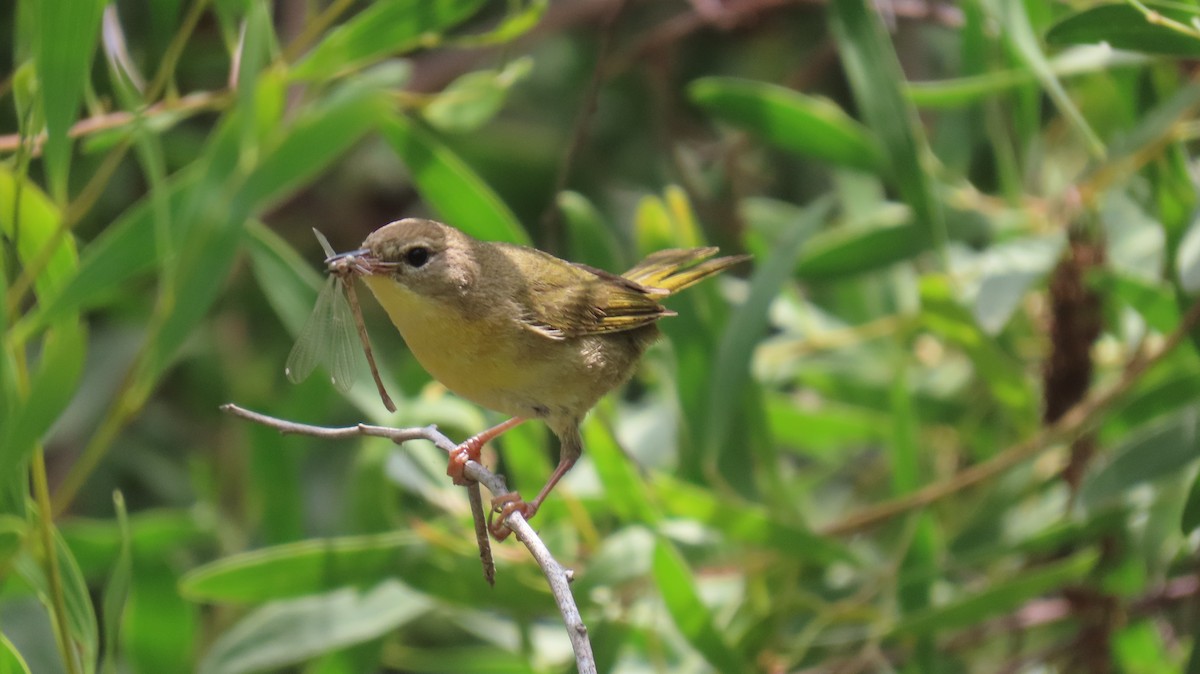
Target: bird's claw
(467,451)
(505,505)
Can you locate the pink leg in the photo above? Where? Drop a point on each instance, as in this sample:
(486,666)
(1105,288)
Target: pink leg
(469,450)
(507,504)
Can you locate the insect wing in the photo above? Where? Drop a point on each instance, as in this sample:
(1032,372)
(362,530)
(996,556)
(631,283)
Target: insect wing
(325,339)
(324,243)
(342,342)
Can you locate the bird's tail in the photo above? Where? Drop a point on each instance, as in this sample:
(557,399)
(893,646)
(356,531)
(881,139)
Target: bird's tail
(678,268)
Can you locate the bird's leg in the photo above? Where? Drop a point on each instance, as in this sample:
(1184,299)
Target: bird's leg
(507,504)
(469,450)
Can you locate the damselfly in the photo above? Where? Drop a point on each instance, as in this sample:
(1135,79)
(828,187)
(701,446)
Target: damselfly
(327,338)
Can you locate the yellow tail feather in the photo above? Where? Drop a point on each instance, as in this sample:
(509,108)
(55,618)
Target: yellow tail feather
(678,268)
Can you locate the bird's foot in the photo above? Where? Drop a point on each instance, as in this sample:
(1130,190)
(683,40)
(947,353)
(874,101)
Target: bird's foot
(467,451)
(505,505)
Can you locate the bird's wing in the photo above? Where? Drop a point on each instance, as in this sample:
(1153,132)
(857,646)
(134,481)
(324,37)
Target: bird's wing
(580,300)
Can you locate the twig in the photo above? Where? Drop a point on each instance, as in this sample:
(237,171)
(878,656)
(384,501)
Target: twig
(557,576)
(186,104)
(1075,421)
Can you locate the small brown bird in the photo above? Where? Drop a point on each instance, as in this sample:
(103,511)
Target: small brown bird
(520,331)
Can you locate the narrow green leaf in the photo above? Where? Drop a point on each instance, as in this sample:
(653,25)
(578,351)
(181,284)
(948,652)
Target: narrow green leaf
(677,586)
(518,21)
(625,492)
(1138,648)
(877,80)
(295,569)
(473,99)
(160,628)
(1124,26)
(453,190)
(388,27)
(319,137)
(1187,258)
(789,120)
(589,237)
(289,282)
(153,534)
(126,249)
(731,369)
(81,618)
(1155,303)
(887,237)
(994,281)
(1156,452)
(1191,509)
(745,523)
(1002,373)
(53,383)
(289,632)
(1019,32)
(963,91)
(998,597)
(67,34)
(11,661)
(116,593)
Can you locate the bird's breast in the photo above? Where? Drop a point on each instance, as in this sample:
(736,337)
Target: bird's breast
(478,357)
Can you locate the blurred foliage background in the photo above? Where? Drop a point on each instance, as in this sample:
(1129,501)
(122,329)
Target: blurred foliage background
(946,423)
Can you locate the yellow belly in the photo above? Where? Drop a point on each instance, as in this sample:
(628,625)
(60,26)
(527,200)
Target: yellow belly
(478,359)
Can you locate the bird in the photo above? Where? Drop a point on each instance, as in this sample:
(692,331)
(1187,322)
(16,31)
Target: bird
(520,331)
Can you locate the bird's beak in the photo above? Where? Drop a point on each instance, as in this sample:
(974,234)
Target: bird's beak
(361,262)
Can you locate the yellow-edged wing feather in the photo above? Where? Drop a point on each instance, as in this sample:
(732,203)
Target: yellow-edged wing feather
(582,300)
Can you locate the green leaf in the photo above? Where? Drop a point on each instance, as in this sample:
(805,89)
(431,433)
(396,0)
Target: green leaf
(1158,451)
(1124,26)
(289,632)
(1155,303)
(964,91)
(289,282)
(1018,30)
(53,383)
(1191,509)
(731,370)
(998,597)
(454,191)
(80,616)
(160,629)
(1002,373)
(745,523)
(624,487)
(386,28)
(473,99)
(153,534)
(1187,258)
(116,593)
(517,22)
(66,40)
(11,661)
(589,236)
(125,250)
(877,80)
(678,589)
(888,236)
(296,569)
(805,125)
(994,281)
(320,136)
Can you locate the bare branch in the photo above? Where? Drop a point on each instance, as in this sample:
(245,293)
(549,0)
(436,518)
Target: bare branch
(558,576)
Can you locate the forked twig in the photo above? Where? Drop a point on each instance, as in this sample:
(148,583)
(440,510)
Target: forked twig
(558,577)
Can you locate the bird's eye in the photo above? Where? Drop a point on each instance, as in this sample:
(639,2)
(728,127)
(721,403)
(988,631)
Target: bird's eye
(416,257)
